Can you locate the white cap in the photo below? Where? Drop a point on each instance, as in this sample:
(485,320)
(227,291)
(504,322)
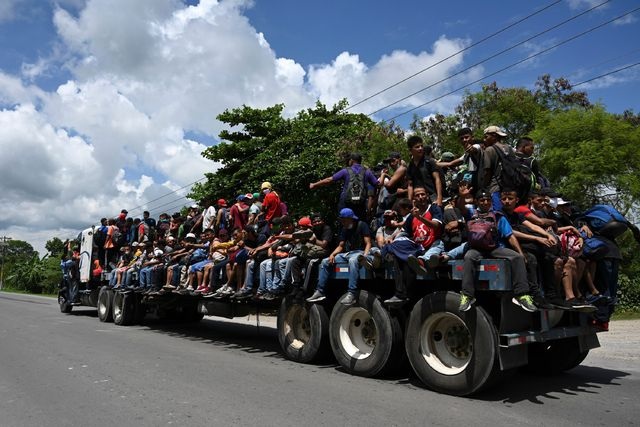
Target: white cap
(495,129)
(190,235)
(158,252)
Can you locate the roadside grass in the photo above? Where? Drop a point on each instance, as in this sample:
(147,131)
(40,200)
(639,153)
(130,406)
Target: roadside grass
(626,315)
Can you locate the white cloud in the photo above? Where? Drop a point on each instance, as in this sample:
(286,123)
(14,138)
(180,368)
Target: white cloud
(629,19)
(584,4)
(8,10)
(146,73)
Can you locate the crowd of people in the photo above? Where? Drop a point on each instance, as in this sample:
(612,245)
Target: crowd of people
(416,214)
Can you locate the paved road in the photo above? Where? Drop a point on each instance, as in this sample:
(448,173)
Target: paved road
(72,370)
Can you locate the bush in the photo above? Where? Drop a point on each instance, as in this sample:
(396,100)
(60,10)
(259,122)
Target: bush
(628,294)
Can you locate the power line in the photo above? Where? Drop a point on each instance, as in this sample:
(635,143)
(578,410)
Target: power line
(515,63)
(455,54)
(606,74)
(168,194)
(491,57)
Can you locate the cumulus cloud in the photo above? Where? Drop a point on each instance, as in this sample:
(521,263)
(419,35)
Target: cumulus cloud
(144,75)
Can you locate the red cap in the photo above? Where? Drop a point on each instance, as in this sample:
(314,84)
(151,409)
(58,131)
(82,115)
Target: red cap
(222,202)
(304,222)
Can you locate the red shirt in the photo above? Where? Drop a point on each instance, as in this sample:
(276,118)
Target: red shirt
(422,233)
(271,205)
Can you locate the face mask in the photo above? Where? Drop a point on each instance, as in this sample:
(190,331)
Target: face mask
(265,191)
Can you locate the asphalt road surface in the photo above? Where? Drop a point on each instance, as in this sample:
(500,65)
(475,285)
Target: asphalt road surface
(72,370)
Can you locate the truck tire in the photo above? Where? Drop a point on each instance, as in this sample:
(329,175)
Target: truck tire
(123,308)
(105,301)
(450,351)
(365,338)
(63,301)
(555,357)
(303,330)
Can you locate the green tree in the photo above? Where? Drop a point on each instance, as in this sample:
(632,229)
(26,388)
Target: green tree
(27,274)
(55,246)
(292,152)
(589,154)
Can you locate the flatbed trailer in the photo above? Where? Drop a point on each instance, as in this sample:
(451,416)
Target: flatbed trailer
(453,352)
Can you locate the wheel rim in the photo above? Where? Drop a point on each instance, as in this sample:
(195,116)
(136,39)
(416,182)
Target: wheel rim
(445,343)
(102,308)
(297,326)
(117,308)
(358,333)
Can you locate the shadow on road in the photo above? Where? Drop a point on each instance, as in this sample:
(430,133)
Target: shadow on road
(538,389)
(249,338)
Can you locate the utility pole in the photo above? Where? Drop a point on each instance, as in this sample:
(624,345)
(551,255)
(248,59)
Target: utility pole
(3,251)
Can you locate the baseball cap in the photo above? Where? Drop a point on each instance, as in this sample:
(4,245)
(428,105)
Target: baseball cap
(256,195)
(495,129)
(222,202)
(305,221)
(448,156)
(266,184)
(248,196)
(389,212)
(347,213)
(560,201)
(190,236)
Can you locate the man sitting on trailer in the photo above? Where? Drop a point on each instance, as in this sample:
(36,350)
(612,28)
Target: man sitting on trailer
(355,240)
(422,242)
(493,245)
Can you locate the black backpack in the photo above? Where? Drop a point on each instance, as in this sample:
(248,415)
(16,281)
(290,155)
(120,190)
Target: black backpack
(512,173)
(356,191)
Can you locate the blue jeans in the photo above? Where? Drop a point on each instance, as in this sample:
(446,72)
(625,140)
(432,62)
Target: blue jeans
(128,276)
(354,270)
(457,252)
(146,277)
(436,248)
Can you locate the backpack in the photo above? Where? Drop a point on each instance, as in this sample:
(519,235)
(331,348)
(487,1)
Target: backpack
(606,221)
(356,191)
(118,238)
(482,231)
(514,174)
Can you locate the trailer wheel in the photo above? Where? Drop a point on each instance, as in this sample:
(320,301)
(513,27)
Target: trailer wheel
(123,309)
(365,338)
(555,357)
(450,351)
(63,301)
(105,301)
(303,330)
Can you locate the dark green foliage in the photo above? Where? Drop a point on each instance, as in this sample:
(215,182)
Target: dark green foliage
(292,152)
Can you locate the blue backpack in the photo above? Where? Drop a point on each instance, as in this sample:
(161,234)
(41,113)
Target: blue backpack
(606,221)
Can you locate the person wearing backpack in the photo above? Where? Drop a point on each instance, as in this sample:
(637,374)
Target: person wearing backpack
(503,169)
(488,234)
(355,182)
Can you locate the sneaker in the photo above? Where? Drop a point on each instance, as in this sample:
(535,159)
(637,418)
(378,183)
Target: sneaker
(317,297)
(169,287)
(597,299)
(541,302)
(525,302)
(377,260)
(433,261)
(348,299)
(395,301)
(364,262)
(578,305)
(466,302)
(269,296)
(417,265)
(243,293)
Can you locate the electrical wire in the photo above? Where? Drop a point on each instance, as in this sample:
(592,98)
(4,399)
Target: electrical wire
(515,63)
(455,54)
(606,74)
(495,55)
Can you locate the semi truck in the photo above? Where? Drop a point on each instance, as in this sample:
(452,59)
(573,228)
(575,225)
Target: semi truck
(453,352)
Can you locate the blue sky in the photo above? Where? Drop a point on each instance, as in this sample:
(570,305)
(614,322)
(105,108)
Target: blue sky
(120,96)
